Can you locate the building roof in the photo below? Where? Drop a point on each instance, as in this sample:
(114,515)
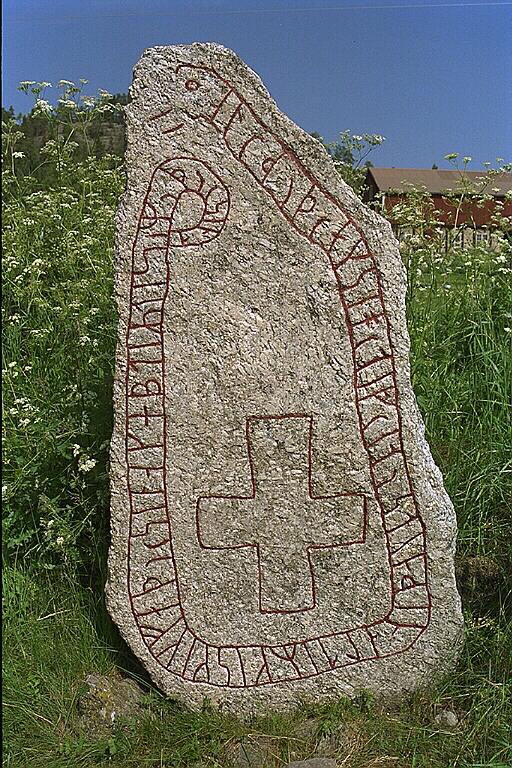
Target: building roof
(437,181)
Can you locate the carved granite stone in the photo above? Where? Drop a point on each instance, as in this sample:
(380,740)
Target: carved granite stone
(280,532)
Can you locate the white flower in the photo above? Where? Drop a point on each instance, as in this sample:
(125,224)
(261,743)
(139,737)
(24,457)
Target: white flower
(12,365)
(83,340)
(85,464)
(507,329)
(76,449)
(68,103)
(62,83)
(27,82)
(18,154)
(60,540)
(43,106)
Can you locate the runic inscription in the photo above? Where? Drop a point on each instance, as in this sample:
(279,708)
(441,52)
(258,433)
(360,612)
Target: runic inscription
(255,289)
(283,505)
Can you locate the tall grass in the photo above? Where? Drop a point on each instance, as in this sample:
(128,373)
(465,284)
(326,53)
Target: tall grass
(460,318)
(59,336)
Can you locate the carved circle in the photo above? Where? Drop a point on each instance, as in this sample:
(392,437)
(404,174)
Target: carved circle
(188,199)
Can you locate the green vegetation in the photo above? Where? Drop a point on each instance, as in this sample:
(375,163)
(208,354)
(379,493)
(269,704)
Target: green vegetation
(59,337)
(349,156)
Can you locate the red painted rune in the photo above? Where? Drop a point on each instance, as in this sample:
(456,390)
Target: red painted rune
(283,520)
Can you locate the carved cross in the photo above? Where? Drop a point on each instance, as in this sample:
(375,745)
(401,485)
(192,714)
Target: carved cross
(282,519)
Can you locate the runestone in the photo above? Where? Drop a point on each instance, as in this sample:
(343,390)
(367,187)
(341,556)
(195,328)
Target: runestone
(280,532)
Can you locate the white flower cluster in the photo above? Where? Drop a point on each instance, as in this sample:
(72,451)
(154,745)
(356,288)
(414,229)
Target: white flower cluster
(43,107)
(50,532)
(24,412)
(85,464)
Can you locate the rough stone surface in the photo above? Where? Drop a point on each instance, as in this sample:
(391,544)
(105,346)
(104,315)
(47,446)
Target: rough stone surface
(280,531)
(256,752)
(306,730)
(341,739)
(105,701)
(446,719)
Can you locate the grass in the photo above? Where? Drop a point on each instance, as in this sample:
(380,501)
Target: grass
(59,336)
(462,376)
(57,632)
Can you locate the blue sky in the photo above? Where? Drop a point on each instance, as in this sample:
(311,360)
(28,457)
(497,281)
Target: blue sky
(433,77)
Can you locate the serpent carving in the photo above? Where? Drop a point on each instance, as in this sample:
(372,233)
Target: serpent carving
(187,203)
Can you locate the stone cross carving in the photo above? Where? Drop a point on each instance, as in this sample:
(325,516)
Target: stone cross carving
(282,500)
(279,529)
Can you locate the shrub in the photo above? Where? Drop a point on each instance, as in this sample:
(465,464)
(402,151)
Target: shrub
(58,352)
